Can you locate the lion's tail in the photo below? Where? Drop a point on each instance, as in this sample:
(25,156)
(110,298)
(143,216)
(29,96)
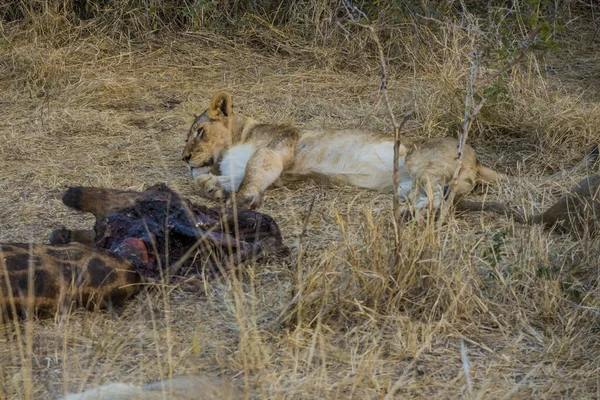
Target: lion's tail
(488,175)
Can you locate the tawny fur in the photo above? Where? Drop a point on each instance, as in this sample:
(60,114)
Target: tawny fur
(228,152)
(38,277)
(180,388)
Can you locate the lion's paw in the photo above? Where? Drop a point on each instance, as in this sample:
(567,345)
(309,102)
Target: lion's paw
(209,186)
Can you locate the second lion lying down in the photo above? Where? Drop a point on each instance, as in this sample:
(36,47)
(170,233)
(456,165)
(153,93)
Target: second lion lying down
(227,152)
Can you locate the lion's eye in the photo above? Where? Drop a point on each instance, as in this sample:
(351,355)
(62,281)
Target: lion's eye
(199,132)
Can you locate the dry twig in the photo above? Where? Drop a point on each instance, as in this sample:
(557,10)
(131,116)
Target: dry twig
(397,127)
(472,109)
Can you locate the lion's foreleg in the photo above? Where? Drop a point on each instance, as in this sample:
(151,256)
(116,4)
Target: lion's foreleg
(262,171)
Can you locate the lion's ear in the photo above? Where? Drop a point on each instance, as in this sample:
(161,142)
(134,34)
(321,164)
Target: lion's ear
(220,106)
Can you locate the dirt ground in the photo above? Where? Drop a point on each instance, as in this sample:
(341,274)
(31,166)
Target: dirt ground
(523,302)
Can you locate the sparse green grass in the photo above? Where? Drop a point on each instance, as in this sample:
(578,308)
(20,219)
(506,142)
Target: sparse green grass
(85,105)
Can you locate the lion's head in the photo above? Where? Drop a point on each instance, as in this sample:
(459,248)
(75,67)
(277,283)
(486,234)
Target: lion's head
(209,136)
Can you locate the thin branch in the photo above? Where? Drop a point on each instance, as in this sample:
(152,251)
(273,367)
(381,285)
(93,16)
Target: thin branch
(397,127)
(383,87)
(396,176)
(352,8)
(471,111)
(384,75)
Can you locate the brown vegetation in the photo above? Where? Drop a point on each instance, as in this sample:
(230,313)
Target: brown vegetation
(477,306)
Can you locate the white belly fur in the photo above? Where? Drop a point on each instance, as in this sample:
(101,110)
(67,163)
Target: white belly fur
(352,159)
(233,166)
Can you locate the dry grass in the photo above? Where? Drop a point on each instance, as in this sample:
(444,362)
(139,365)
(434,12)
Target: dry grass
(93,110)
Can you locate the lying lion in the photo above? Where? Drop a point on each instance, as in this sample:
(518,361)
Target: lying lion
(227,152)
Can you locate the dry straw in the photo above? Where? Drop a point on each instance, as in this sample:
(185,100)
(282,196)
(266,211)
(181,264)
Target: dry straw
(103,102)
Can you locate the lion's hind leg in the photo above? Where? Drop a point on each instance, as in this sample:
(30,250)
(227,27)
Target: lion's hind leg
(428,193)
(426,197)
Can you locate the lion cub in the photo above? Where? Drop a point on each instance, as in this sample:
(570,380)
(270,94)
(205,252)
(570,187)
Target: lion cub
(227,152)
